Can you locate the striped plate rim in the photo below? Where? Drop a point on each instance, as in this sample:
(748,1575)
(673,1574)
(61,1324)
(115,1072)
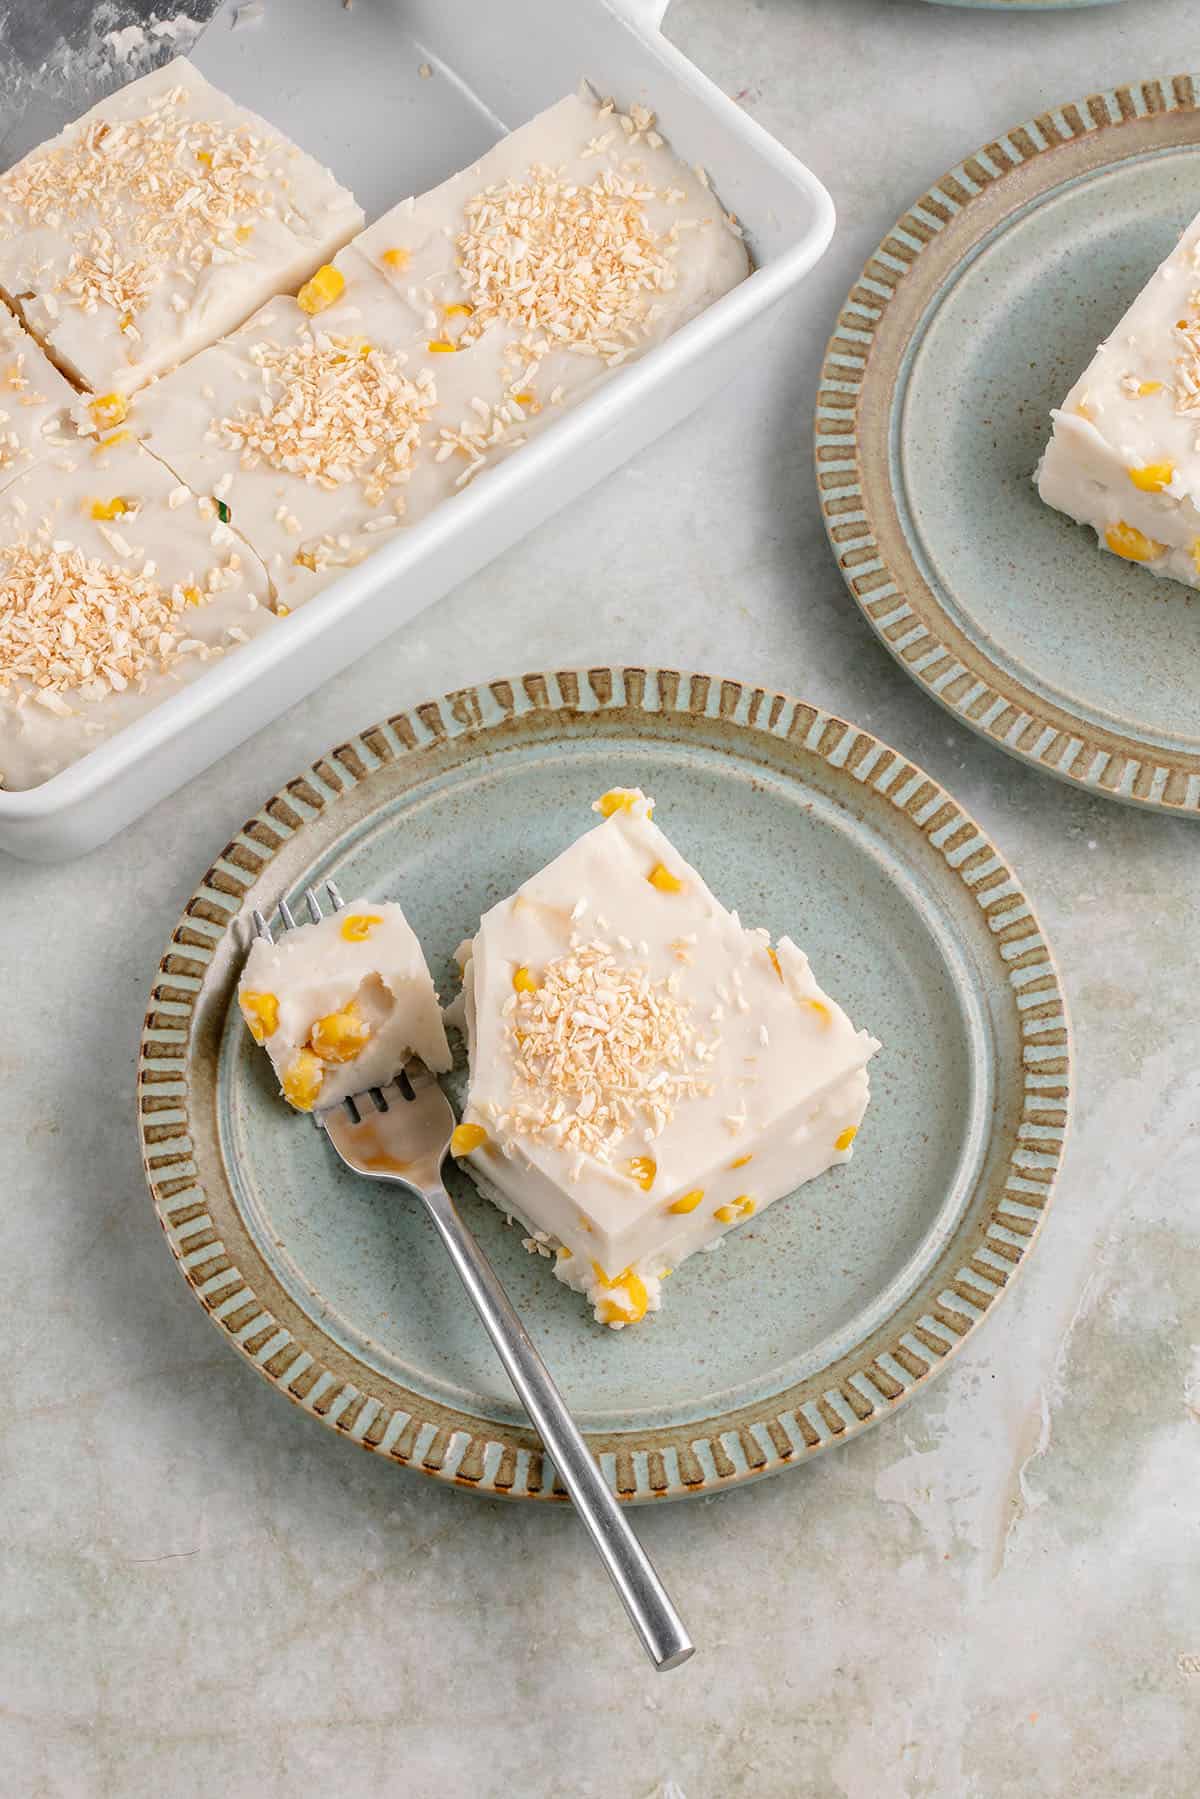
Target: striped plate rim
(862,361)
(217,1256)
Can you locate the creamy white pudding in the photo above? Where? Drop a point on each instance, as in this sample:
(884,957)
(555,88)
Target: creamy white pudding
(645,1072)
(323,426)
(430,349)
(157,222)
(580,230)
(340,1006)
(35,402)
(1124,457)
(117,586)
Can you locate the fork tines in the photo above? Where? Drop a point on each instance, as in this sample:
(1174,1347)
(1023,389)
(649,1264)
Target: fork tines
(410,1081)
(263,929)
(354,1107)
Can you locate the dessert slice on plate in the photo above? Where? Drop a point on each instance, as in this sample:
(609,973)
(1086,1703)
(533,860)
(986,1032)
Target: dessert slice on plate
(645,1072)
(342,1005)
(1124,456)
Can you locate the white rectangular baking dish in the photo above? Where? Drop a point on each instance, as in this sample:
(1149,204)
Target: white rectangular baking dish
(348,86)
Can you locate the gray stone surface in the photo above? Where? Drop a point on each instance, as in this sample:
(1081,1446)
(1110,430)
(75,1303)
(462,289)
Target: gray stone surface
(997,1593)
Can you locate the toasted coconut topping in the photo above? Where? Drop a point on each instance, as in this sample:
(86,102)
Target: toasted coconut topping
(182,188)
(333,410)
(600,1049)
(572,265)
(72,623)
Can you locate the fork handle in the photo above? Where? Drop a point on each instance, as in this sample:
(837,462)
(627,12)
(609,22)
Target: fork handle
(632,1573)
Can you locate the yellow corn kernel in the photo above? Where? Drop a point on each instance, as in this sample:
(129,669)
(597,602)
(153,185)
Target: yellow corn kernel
(460,310)
(353,349)
(1127,541)
(642,1169)
(726,1214)
(526,399)
(244,233)
(612,1311)
(742,1160)
(775,963)
(282,611)
(109,409)
(687,1202)
(261,1012)
(563,1253)
(396,259)
(204,156)
(744,1204)
(1149,387)
(359,925)
(821,1009)
(524,982)
(467,1137)
(340,1036)
(440,346)
(193,596)
(326,286)
(1152,477)
(617,799)
(302,1081)
(845,1138)
(664,880)
(106,443)
(109,509)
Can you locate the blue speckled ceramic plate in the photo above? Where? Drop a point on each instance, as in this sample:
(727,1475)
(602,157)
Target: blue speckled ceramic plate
(809,1324)
(973,318)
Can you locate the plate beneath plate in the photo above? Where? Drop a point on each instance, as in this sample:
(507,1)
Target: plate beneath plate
(806,1326)
(973,318)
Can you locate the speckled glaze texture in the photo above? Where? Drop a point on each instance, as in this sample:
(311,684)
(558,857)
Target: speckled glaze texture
(816,1322)
(972,319)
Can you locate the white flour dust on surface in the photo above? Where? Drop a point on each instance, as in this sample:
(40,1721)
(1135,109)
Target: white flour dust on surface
(56,60)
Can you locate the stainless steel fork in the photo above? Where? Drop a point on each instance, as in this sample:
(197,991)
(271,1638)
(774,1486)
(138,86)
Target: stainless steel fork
(401,1133)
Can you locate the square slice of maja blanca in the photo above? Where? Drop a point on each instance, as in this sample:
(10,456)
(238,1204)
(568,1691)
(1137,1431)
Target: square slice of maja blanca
(645,1072)
(118,586)
(156,223)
